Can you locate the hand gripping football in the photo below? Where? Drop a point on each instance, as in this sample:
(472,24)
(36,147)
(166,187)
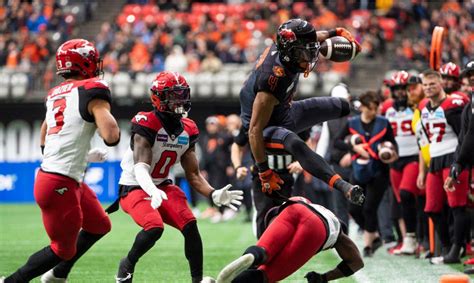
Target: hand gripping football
(338,49)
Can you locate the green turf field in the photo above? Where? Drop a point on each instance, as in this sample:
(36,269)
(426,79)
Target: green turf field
(22,233)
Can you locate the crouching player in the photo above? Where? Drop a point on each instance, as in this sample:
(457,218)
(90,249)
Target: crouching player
(297,230)
(160,139)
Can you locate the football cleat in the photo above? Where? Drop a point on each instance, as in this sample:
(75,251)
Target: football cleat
(234,268)
(49,277)
(125,272)
(408,246)
(208,279)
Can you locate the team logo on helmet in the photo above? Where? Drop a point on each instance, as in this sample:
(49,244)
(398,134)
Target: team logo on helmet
(449,69)
(287,35)
(399,78)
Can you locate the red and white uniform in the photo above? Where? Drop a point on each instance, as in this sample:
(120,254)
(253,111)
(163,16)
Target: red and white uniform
(461,95)
(404,171)
(443,124)
(67,204)
(167,151)
(70,127)
(299,232)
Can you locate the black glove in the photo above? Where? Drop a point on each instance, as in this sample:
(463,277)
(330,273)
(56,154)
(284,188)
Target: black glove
(353,193)
(455,171)
(314,277)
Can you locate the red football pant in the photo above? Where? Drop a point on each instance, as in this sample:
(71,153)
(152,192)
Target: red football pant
(292,239)
(405,180)
(66,207)
(436,195)
(174,211)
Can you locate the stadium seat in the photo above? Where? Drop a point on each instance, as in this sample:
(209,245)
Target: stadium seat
(222,83)
(204,84)
(121,84)
(237,80)
(19,82)
(139,86)
(330,79)
(4,85)
(191,79)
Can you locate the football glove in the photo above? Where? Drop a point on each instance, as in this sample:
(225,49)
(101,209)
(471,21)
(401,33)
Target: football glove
(455,171)
(157,196)
(270,181)
(347,35)
(227,198)
(353,193)
(314,277)
(97,155)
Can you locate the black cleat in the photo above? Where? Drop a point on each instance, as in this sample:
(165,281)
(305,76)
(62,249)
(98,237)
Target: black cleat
(125,271)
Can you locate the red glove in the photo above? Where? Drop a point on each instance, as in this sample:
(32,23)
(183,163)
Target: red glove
(270,181)
(347,35)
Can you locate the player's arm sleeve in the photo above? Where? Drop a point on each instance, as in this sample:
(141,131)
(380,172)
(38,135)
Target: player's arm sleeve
(339,140)
(86,95)
(466,137)
(241,139)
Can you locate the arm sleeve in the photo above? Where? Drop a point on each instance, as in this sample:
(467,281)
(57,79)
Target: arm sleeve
(86,95)
(241,139)
(453,116)
(339,141)
(143,177)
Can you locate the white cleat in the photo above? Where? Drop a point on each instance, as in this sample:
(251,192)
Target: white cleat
(49,277)
(208,279)
(409,244)
(234,268)
(2,279)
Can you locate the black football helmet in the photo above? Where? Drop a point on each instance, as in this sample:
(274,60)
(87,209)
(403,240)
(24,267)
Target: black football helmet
(297,43)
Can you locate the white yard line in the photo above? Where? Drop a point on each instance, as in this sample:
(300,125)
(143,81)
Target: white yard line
(383,267)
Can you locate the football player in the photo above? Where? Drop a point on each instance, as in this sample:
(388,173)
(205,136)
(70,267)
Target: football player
(450,73)
(267,95)
(441,117)
(160,139)
(297,231)
(72,216)
(404,171)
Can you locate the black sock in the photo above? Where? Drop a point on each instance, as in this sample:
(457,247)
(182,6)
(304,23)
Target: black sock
(396,224)
(441,227)
(38,263)
(422,220)
(193,249)
(250,276)
(84,243)
(144,241)
(460,224)
(408,210)
(309,160)
(259,254)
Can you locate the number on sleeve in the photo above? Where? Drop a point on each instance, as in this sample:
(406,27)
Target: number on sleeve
(163,166)
(58,111)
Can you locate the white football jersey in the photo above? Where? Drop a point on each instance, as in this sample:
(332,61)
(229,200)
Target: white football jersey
(167,149)
(334,225)
(402,130)
(443,139)
(70,126)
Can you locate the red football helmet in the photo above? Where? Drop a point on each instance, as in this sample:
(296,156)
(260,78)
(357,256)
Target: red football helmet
(78,55)
(400,78)
(450,70)
(170,93)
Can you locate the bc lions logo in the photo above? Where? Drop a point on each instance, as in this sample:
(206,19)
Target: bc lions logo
(287,35)
(140,117)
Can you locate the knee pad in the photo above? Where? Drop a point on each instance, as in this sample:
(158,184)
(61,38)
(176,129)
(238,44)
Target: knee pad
(407,197)
(259,254)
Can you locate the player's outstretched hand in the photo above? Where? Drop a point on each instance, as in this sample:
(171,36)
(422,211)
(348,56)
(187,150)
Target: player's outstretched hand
(314,277)
(97,155)
(270,181)
(347,35)
(356,195)
(157,197)
(232,199)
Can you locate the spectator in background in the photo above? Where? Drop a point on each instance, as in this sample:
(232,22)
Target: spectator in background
(211,63)
(176,60)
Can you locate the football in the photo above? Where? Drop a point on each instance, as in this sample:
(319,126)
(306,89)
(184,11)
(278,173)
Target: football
(338,49)
(387,152)
(353,139)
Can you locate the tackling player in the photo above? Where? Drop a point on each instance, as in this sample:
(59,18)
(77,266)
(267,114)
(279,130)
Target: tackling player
(297,231)
(72,215)
(267,96)
(160,139)
(404,171)
(441,117)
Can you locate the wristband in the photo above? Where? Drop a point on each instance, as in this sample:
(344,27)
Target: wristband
(112,143)
(240,166)
(345,268)
(332,33)
(262,167)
